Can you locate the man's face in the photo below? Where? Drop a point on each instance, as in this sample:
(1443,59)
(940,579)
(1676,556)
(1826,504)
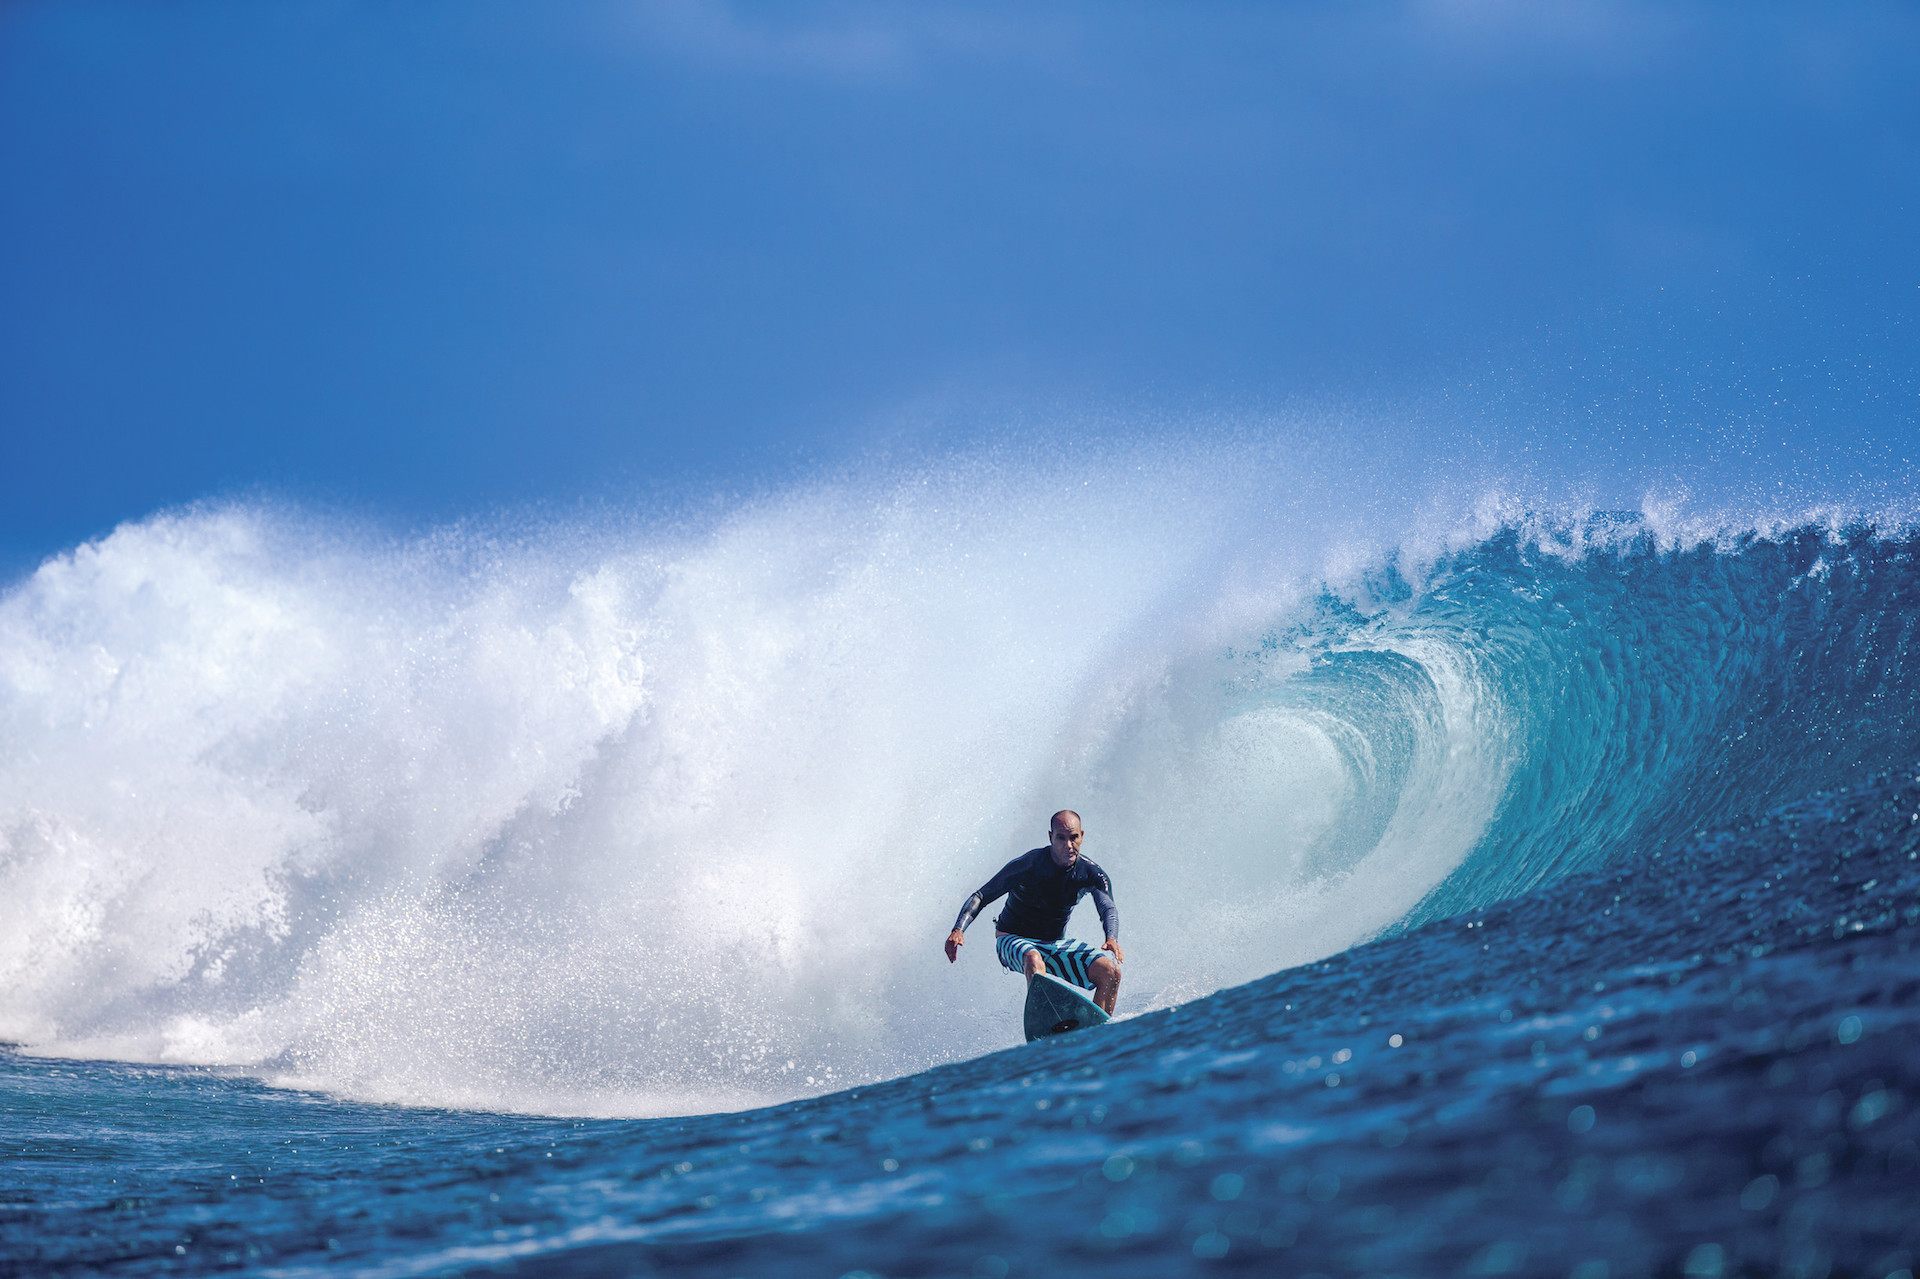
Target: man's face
(1064,836)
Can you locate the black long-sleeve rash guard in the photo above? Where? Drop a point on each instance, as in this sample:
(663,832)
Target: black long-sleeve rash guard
(1041,896)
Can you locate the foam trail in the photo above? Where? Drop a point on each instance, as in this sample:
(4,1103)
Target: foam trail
(630,821)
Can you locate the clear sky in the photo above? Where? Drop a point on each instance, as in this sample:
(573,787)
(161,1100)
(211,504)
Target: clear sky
(430,258)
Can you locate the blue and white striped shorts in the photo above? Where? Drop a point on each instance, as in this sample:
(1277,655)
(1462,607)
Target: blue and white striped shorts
(1067,959)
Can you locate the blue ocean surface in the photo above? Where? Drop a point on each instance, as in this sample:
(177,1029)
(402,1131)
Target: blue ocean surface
(1538,899)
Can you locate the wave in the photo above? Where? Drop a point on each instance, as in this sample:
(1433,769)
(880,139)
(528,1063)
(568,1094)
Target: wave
(641,820)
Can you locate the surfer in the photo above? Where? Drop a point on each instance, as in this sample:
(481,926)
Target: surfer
(1042,886)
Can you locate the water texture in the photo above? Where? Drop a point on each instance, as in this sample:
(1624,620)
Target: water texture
(1527,894)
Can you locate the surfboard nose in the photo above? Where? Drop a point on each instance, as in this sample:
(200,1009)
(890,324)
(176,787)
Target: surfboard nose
(1054,1007)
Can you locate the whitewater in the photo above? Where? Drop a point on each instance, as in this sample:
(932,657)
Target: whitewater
(536,837)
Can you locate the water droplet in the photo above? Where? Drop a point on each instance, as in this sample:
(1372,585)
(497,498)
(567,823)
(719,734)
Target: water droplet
(1706,1261)
(1211,1246)
(1868,1110)
(1759,1193)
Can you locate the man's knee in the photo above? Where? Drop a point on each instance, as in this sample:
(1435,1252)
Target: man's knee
(1035,963)
(1105,972)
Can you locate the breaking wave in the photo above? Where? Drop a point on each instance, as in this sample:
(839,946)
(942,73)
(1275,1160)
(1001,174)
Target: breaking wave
(612,818)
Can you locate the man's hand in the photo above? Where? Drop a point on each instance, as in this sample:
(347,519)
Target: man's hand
(955,940)
(1113,944)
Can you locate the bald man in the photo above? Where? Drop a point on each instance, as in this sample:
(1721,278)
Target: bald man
(1042,886)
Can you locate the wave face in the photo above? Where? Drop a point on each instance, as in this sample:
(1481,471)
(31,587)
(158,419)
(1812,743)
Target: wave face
(637,821)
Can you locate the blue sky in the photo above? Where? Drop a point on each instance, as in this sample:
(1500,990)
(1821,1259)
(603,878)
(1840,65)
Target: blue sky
(431,258)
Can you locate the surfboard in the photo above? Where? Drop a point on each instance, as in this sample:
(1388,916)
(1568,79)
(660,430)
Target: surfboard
(1054,1007)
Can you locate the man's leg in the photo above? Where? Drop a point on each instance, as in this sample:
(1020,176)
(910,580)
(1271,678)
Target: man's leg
(1017,955)
(1106,982)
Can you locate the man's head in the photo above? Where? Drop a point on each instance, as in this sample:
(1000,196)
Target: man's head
(1063,836)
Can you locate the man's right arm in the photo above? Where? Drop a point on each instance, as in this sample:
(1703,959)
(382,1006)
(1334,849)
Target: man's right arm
(991,891)
(988,893)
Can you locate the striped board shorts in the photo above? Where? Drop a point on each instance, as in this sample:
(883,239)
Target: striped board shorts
(1067,959)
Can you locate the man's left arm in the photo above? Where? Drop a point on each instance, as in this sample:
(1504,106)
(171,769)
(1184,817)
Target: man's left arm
(1102,894)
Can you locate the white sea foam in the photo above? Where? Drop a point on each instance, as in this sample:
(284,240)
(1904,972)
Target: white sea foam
(617,821)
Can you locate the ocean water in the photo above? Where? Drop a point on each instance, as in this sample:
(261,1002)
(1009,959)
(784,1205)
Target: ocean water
(1508,888)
